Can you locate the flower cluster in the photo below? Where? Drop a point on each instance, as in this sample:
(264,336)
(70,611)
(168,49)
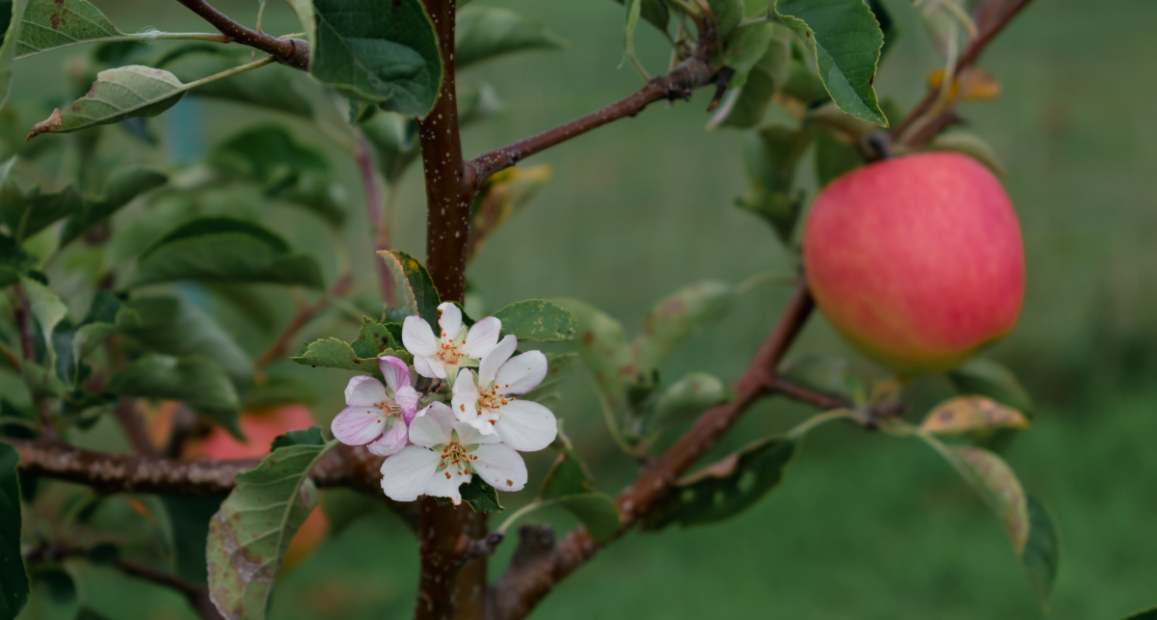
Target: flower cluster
(434,450)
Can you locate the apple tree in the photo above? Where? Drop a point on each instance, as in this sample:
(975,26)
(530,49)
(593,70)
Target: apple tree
(128,289)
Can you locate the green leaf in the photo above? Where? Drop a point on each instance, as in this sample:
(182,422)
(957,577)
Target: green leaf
(845,39)
(484,32)
(221,249)
(548,393)
(277,391)
(1041,555)
(378,339)
(267,153)
(188,519)
(988,378)
(770,157)
(724,489)
(385,55)
(197,382)
(412,282)
(49,311)
(728,14)
(1149,614)
(27,213)
(122,187)
(804,85)
(274,88)
(174,326)
(479,496)
(395,140)
(602,346)
(14,586)
(687,398)
(11,21)
(53,24)
(333,353)
(675,319)
(248,537)
(1025,520)
(969,414)
(540,320)
(834,157)
(13,261)
(655,12)
(567,484)
(501,196)
(305,437)
(118,94)
(747,45)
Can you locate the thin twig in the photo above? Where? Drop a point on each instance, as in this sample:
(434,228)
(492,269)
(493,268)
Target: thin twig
(377,214)
(134,427)
(290,52)
(694,73)
(304,314)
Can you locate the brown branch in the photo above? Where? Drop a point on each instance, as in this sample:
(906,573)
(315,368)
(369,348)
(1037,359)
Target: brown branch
(304,314)
(694,73)
(108,473)
(198,596)
(290,52)
(925,121)
(539,563)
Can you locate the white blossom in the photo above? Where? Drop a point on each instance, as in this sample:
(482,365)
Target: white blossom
(491,403)
(440,358)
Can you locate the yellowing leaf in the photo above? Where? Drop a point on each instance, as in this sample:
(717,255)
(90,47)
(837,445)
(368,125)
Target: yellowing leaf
(973,84)
(971,413)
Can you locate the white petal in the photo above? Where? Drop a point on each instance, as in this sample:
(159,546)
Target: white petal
(494,360)
(362,390)
(500,466)
(465,399)
(432,426)
(445,484)
(526,426)
(407,474)
(391,442)
(418,336)
(357,426)
(482,337)
(407,399)
(484,424)
(450,320)
(470,434)
(521,373)
(429,367)
(396,372)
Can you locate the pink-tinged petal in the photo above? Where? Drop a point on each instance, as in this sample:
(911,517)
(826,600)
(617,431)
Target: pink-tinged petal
(396,372)
(432,426)
(407,399)
(500,466)
(449,320)
(418,337)
(363,391)
(521,373)
(482,338)
(429,367)
(470,434)
(357,426)
(526,426)
(445,484)
(494,360)
(391,442)
(465,399)
(407,474)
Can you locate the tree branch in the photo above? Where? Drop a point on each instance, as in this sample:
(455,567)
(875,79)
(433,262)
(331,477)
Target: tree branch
(290,52)
(304,314)
(694,73)
(344,466)
(198,596)
(540,563)
(930,117)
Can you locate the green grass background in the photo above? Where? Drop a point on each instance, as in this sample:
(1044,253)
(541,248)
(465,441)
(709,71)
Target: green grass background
(865,526)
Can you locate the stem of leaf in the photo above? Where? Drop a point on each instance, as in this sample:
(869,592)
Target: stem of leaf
(760,279)
(147,37)
(612,424)
(802,428)
(230,73)
(517,514)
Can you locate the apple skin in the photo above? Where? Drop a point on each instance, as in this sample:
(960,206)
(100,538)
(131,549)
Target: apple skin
(261,427)
(918,261)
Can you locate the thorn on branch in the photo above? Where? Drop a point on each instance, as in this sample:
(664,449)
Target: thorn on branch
(475,548)
(722,79)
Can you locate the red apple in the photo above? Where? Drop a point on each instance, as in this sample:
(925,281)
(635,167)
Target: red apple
(918,260)
(261,427)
